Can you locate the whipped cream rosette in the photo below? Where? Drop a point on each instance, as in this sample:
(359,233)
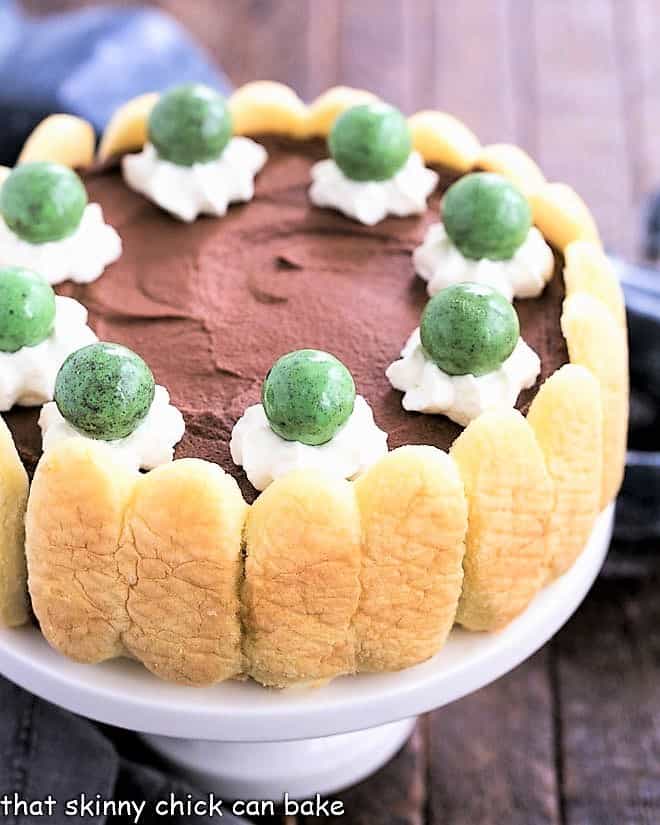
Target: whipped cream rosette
(485,237)
(106,392)
(47,225)
(38,331)
(191,164)
(466,357)
(373,171)
(310,418)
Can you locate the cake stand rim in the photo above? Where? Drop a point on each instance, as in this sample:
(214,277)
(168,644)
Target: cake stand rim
(124,694)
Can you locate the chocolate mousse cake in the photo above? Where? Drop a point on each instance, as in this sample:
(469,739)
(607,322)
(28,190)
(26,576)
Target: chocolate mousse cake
(212,306)
(189,568)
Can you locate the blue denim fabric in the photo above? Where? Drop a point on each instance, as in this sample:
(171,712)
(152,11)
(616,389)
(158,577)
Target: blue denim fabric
(88,63)
(45,750)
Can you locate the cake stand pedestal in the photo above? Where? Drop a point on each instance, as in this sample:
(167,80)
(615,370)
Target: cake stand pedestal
(299,768)
(242,741)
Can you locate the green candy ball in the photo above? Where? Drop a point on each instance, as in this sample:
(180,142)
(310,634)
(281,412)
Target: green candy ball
(308,395)
(190,124)
(42,202)
(469,328)
(104,390)
(485,216)
(370,142)
(27,309)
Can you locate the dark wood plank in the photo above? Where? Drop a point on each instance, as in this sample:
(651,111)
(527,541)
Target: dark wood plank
(475,60)
(420,54)
(323,46)
(251,39)
(638,29)
(579,107)
(523,75)
(373,49)
(492,754)
(608,668)
(395,795)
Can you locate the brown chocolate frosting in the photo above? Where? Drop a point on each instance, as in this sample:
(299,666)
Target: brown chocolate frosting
(210,306)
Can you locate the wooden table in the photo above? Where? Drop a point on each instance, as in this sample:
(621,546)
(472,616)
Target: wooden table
(573,735)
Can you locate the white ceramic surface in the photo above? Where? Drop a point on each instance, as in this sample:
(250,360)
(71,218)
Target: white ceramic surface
(123,693)
(269,770)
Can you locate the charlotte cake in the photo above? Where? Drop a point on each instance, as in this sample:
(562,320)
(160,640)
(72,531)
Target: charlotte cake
(185,568)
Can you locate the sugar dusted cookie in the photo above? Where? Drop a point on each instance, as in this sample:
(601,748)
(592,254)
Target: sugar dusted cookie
(14,608)
(414,518)
(302,580)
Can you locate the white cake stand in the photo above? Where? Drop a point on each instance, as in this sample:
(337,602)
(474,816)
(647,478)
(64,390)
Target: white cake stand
(242,741)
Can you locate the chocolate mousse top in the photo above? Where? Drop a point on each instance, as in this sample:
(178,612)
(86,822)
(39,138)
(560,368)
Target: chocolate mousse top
(211,305)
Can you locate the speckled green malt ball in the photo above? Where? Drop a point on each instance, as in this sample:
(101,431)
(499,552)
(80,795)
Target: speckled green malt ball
(42,202)
(370,142)
(104,390)
(485,216)
(190,124)
(27,309)
(469,328)
(308,395)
